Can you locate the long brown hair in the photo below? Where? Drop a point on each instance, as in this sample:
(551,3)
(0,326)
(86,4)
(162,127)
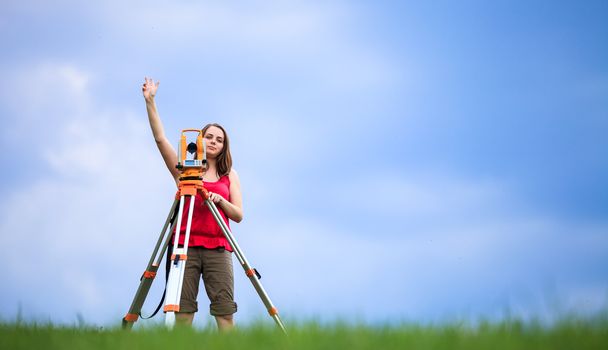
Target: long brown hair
(224,159)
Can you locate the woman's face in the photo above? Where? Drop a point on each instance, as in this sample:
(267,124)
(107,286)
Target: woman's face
(215,141)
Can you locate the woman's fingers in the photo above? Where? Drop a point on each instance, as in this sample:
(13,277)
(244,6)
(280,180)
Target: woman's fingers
(149,87)
(215,198)
(149,82)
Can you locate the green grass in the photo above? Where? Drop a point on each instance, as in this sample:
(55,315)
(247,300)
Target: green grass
(567,334)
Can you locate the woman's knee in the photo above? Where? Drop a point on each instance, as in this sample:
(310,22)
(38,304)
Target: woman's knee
(225,317)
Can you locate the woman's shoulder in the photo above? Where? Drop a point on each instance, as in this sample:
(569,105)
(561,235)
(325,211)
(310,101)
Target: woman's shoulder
(233,176)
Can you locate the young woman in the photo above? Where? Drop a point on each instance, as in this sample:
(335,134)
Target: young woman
(209,253)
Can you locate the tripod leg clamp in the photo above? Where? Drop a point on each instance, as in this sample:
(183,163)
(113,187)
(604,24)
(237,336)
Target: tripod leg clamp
(253,271)
(149,274)
(177,257)
(171,308)
(131,317)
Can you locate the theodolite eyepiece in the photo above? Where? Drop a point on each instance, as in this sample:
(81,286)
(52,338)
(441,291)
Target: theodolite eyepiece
(192,148)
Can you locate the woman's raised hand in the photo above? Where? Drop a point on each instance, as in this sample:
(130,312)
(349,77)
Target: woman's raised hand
(149,88)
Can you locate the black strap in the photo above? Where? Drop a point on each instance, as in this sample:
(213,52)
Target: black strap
(162,299)
(157,308)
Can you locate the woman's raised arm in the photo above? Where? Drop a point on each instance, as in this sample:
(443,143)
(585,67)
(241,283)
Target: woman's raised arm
(164,146)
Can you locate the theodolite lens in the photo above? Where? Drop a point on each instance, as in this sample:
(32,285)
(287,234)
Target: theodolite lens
(192,147)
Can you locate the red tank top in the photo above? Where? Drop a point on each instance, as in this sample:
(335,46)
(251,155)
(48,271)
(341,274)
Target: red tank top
(205,232)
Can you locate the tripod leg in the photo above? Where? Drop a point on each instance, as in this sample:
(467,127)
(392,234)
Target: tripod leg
(150,272)
(253,275)
(178,265)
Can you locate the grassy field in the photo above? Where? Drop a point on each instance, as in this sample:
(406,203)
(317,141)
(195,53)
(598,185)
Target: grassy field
(569,334)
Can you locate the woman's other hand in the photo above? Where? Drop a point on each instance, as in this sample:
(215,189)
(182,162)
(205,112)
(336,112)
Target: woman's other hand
(216,198)
(149,88)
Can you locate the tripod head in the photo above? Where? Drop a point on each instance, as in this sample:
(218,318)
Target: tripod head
(192,169)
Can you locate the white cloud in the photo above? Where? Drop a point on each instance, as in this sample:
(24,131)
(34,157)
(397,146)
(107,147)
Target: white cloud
(40,98)
(87,213)
(438,248)
(321,268)
(425,196)
(252,25)
(316,40)
(295,36)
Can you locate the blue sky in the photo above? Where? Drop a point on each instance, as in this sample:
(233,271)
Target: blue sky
(398,160)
